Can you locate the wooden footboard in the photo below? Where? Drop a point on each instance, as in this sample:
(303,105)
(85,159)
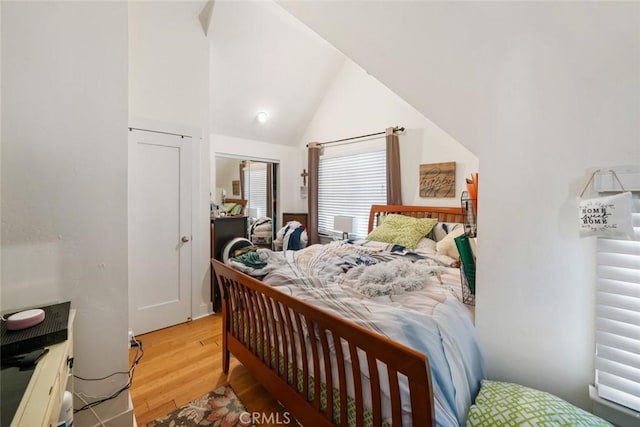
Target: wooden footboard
(268,331)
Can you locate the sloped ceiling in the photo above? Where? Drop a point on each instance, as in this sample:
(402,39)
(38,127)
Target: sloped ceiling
(438,56)
(263,59)
(448,59)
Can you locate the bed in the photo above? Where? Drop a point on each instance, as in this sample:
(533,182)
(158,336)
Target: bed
(335,352)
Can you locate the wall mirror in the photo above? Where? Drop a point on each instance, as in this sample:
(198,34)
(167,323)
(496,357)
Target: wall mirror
(246,187)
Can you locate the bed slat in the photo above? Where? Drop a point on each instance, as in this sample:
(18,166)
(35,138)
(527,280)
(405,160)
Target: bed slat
(375,390)
(355,371)
(328,374)
(252,333)
(396,403)
(313,343)
(304,361)
(342,380)
(293,348)
(266,333)
(274,358)
(283,336)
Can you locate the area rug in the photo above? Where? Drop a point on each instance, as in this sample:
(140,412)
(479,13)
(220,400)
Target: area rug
(219,408)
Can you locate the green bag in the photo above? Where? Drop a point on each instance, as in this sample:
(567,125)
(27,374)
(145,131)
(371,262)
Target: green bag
(468,261)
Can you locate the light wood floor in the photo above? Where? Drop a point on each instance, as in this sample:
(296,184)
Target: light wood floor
(184,362)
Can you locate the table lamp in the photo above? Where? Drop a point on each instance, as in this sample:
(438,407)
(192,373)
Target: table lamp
(345,224)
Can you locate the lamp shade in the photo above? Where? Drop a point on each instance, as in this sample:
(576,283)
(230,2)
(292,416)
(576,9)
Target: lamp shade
(344,223)
(253,212)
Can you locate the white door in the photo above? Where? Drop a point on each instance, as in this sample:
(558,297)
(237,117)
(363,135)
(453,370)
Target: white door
(159,230)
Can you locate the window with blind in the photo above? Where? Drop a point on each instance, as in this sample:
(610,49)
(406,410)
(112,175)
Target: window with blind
(255,187)
(349,184)
(618,318)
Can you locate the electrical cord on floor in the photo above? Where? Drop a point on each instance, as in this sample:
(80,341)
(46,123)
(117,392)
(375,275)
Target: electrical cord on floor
(136,359)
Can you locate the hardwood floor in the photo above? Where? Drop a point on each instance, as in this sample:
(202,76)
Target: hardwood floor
(184,362)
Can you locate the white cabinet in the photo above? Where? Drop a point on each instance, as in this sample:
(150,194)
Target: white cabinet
(40,405)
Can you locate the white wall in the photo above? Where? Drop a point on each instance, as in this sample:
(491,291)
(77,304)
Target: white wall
(541,91)
(227,171)
(576,106)
(169,87)
(1,157)
(64,175)
(288,157)
(168,62)
(358,104)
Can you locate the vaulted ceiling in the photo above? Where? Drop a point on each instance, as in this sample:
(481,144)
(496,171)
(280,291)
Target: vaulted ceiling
(456,62)
(448,60)
(264,59)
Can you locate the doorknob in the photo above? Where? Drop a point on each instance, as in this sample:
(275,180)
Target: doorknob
(185,239)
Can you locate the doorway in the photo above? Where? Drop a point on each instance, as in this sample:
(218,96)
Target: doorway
(160,250)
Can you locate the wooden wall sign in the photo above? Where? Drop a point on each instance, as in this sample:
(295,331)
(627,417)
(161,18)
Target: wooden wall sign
(438,180)
(236,187)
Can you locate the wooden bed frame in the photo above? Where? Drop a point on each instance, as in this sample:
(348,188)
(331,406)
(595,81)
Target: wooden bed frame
(258,320)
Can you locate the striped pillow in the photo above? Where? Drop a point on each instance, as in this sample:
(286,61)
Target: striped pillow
(441,229)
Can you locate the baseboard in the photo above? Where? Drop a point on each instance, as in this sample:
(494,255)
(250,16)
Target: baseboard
(114,413)
(203,315)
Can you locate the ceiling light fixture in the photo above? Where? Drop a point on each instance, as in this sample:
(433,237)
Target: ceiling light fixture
(262,117)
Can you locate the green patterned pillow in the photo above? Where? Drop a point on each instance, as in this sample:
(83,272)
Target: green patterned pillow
(232,208)
(402,230)
(507,404)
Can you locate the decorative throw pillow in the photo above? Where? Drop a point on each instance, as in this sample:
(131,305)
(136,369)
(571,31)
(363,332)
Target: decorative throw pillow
(447,246)
(441,229)
(506,404)
(426,245)
(608,216)
(232,208)
(402,230)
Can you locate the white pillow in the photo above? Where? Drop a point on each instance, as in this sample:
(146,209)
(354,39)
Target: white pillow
(608,216)
(447,246)
(426,245)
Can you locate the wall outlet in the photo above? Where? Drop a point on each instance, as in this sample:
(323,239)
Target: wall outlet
(130,339)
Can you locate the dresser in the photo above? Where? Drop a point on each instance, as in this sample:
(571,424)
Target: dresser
(42,393)
(223,229)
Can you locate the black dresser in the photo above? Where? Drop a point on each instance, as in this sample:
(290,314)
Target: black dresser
(223,229)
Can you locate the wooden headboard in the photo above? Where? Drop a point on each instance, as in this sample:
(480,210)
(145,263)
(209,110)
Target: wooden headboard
(442,214)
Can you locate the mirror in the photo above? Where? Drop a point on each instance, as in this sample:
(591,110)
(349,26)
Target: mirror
(245,187)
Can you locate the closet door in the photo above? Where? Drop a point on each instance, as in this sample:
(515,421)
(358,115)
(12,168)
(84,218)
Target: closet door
(159,230)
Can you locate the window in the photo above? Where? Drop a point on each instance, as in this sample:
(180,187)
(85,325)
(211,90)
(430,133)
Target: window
(618,318)
(255,187)
(349,183)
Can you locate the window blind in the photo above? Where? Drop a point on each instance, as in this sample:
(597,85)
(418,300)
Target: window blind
(618,318)
(349,185)
(255,187)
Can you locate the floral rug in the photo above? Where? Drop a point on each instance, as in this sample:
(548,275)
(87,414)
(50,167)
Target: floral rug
(219,408)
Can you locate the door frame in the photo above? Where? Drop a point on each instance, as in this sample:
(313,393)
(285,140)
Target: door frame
(200,275)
